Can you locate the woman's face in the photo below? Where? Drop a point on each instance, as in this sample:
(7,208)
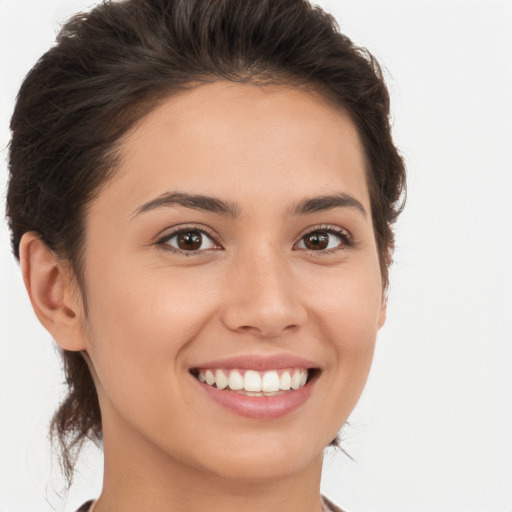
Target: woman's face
(236,244)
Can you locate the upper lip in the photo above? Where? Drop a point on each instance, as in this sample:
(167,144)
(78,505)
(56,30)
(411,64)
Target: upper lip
(259,362)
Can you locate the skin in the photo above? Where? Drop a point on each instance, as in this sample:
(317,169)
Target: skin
(254,288)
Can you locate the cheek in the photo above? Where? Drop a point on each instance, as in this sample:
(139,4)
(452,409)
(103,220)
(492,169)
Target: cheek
(140,319)
(348,301)
(347,309)
(140,326)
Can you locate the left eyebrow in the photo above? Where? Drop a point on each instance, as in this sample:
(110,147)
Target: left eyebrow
(327,202)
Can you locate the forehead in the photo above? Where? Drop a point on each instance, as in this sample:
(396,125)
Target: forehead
(230,139)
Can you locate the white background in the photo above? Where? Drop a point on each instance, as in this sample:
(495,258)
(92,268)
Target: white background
(433,430)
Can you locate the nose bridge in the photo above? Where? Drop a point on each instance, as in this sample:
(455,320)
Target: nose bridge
(261,295)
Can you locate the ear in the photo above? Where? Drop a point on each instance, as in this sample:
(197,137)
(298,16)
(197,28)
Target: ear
(383,310)
(52,291)
(384,303)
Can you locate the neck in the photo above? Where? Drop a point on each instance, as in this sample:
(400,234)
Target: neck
(147,479)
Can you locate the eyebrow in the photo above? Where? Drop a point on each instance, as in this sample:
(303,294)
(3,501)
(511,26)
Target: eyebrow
(194,201)
(230,209)
(327,202)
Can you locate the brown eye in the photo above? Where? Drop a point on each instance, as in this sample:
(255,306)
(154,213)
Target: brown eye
(325,240)
(189,240)
(316,241)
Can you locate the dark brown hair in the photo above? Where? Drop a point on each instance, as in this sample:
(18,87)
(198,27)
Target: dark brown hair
(112,66)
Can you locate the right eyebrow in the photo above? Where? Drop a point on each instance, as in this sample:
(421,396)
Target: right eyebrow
(194,201)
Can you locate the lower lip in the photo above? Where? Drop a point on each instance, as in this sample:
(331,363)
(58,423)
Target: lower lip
(258,407)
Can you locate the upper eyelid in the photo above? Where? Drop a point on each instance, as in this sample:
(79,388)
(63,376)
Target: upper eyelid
(326,227)
(170,232)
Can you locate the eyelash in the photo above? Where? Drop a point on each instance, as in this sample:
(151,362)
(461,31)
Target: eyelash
(163,242)
(346,240)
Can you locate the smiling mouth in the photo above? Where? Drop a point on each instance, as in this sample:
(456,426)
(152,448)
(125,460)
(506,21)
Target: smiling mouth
(256,383)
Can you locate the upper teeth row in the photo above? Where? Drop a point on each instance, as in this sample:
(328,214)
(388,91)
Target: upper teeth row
(250,380)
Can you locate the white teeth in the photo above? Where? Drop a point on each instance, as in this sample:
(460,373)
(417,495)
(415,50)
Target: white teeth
(255,383)
(220,379)
(285,382)
(270,382)
(252,381)
(210,378)
(236,381)
(296,378)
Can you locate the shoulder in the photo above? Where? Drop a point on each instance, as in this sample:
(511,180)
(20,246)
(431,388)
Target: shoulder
(86,506)
(330,506)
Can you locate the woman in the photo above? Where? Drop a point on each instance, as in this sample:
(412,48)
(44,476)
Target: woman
(201,199)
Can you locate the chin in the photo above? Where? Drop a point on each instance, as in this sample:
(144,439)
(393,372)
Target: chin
(263,458)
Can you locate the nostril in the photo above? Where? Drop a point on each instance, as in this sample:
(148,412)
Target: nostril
(264,315)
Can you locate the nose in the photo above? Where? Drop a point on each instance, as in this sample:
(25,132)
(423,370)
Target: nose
(262,297)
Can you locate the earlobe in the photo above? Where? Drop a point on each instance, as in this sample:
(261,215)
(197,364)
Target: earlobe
(50,288)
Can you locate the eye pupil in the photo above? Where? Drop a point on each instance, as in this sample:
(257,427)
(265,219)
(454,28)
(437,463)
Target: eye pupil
(189,240)
(317,240)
